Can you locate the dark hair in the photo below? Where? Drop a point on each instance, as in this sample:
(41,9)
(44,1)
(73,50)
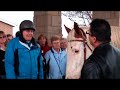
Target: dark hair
(8,35)
(1,32)
(101,29)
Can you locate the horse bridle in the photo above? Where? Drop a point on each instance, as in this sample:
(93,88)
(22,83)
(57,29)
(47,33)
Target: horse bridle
(85,44)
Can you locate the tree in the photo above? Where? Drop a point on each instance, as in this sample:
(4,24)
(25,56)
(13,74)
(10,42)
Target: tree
(81,17)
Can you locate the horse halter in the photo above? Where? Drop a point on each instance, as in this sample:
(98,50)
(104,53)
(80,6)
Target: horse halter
(85,44)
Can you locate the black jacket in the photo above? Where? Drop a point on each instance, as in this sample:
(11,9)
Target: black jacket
(2,67)
(104,63)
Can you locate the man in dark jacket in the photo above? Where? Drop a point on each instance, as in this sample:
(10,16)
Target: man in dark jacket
(104,63)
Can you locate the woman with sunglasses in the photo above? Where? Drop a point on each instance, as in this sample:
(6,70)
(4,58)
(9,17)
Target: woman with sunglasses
(3,40)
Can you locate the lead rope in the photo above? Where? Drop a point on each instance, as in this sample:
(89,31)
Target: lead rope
(84,52)
(57,62)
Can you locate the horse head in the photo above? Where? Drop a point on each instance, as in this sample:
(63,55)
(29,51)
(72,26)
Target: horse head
(77,51)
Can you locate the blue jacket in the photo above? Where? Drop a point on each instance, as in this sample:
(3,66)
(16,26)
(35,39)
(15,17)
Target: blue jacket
(28,60)
(57,63)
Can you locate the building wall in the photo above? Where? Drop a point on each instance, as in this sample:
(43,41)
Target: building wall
(48,23)
(111,16)
(8,29)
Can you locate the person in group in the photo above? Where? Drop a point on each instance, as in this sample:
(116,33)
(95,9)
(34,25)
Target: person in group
(3,40)
(104,63)
(42,41)
(23,58)
(9,37)
(56,60)
(63,43)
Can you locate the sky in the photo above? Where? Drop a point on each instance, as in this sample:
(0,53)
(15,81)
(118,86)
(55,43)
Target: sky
(15,18)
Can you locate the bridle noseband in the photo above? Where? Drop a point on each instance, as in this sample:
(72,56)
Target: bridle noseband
(85,44)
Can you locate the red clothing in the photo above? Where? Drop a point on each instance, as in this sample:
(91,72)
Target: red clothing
(44,49)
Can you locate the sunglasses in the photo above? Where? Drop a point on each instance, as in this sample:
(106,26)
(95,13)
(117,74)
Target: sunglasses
(2,37)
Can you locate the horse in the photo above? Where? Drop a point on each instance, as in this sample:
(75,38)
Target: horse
(78,50)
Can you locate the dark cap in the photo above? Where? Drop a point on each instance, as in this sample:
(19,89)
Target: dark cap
(26,24)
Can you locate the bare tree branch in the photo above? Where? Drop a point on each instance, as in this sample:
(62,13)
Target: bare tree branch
(79,16)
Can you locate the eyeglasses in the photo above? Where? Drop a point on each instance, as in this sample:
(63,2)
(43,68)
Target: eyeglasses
(88,33)
(2,37)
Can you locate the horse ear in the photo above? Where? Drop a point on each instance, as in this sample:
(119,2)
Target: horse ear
(76,28)
(79,31)
(67,29)
(75,25)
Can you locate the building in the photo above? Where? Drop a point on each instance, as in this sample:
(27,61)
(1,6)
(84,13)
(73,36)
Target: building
(6,27)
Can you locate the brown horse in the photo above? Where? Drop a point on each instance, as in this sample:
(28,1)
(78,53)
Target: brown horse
(78,51)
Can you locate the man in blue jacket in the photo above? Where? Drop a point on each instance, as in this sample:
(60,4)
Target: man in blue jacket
(23,56)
